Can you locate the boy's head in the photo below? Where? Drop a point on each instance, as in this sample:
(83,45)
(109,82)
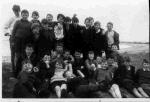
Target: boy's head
(44,23)
(59,64)
(35,27)
(24,14)
(114,47)
(87,22)
(75,20)
(66,53)
(27,67)
(29,49)
(46,57)
(35,15)
(97,25)
(127,60)
(77,54)
(60,18)
(104,64)
(109,26)
(145,64)
(99,59)
(67,20)
(91,55)
(53,54)
(16,10)
(59,48)
(49,17)
(110,61)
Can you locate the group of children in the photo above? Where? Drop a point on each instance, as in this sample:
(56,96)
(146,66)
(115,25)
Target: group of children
(66,59)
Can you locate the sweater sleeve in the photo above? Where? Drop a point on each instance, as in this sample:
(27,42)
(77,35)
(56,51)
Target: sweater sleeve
(16,25)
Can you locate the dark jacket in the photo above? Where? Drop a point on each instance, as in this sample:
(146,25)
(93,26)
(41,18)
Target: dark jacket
(99,41)
(123,73)
(22,29)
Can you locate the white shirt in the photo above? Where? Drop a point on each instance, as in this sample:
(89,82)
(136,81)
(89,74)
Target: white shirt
(10,24)
(110,37)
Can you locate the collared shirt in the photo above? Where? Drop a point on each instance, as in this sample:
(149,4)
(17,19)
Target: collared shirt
(10,24)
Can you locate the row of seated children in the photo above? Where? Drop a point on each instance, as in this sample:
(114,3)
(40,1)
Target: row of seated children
(60,73)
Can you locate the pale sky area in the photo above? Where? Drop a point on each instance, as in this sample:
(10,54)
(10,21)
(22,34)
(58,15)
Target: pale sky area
(130,17)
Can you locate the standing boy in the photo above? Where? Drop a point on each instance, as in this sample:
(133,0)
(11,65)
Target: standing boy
(21,34)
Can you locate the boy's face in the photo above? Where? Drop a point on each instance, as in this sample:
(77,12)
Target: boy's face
(29,51)
(25,16)
(53,53)
(60,19)
(46,58)
(36,30)
(49,18)
(77,55)
(91,22)
(104,65)
(67,54)
(114,48)
(59,49)
(109,27)
(97,26)
(58,65)
(98,59)
(110,61)
(16,13)
(27,67)
(127,63)
(87,23)
(146,65)
(34,16)
(45,26)
(91,56)
(75,23)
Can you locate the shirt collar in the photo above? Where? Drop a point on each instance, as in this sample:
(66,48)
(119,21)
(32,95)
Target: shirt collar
(98,31)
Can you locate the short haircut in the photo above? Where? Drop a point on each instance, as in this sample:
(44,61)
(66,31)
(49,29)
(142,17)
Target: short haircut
(29,45)
(75,19)
(67,19)
(90,52)
(60,15)
(86,19)
(24,11)
(35,25)
(127,59)
(35,13)
(49,15)
(16,8)
(91,19)
(145,61)
(44,21)
(97,22)
(110,23)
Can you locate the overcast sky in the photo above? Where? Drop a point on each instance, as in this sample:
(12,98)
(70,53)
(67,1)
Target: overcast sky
(130,17)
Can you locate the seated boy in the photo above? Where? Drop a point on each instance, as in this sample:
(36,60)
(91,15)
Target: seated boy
(28,55)
(78,65)
(90,65)
(125,75)
(114,52)
(143,79)
(26,87)
(105,73)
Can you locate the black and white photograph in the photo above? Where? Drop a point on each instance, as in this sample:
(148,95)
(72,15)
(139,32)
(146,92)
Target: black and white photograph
(75,50)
